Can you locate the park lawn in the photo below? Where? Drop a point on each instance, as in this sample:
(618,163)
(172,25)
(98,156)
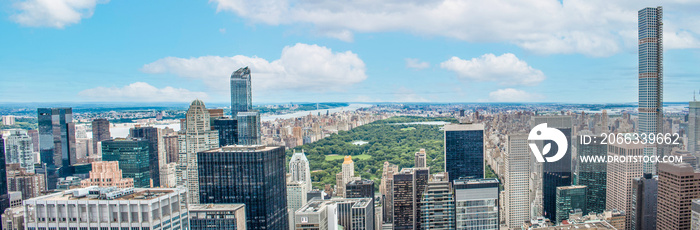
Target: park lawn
(340,157)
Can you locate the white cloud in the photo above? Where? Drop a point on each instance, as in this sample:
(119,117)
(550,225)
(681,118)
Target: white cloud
(590,27)
(513,95)
(506,69)
(416,64)
(404,94)
(300,67)
(141,91)
(53,13)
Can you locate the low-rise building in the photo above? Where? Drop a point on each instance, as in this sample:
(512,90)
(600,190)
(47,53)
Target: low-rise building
(217,216)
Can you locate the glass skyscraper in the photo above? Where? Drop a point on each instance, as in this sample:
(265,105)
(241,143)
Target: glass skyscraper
(249,128)
(57,145)
(570,198)
(651,49)
(132,155)
(241,94)
(150,134)
(476,204)
(464,151)
(250,175)
(555,174)
(228,131)
(593,174)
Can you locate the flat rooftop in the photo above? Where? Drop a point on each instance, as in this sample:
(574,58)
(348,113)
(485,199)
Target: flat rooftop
(139,194)
(241,148)
(463,127)
(214,207)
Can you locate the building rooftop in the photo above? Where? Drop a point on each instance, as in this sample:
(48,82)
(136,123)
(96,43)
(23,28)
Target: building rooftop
(463,127)
(571,187)
(600,225)
(214,207)
(106,193)
(242,148)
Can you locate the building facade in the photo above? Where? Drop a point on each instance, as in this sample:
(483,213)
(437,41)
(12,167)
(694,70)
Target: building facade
(464,150)
(420,159)
(438,204)
(156,149)
(30,184)
(387,191)
(476,204)
(694,128)
(644,201)
(299,168)
(650,21)
(100,132)
(570,198)
(107,174)
(132,155)
(317,215)
(19,149)
(593,175)
(677,188)
(408,187)
(217,216)
(517,180)
(620,176)
(57,145)
(248,128)
(196,137)
(241,91)
(228,131)
(559,173)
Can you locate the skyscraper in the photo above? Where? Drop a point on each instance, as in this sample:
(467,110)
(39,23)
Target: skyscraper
(296,197)
(517,180)
(241,93)
(651,74)
(228,131)
(19,149)
(420,160)
(592,174)
(156,149)
(555,174)
(360,189)
(56,143)
(694,128)
(570,198)
(347,174)
(4,196)
(132,155)
(476,204)
(438,204)
(100,132)
(678,187)
(464,150)
(409,185)
(251,175)
(196,137)
(248,128)
(644,200)
(387,191)
(299,168)
(620,176)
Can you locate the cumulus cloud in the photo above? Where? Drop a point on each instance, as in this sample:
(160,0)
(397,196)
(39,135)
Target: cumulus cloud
(513,95)
(300,67)
(590,27)
(416,64)
(506,69)
(53,13)
(141,91)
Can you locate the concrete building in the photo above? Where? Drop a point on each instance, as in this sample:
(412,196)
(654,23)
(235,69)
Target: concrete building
(570,198)
(620,176)
(644,201)
(317,215)
(387,191)
(171,148)
(409,185)
(464,150)
(296,197)
(651,78)
(476,203)
(438,203)
(694,128)
(355,213)
(19,149)
(695,215)
(30,184)
(100,132)
(348,174)
(13,219)
(677,188)
(8,120)
(95,208)
(107,174)
(196,137)
(167,175)
(420,159)
(217,216)
(517,180)
(299,168)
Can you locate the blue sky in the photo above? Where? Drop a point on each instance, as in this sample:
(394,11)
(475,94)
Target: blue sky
(316,51)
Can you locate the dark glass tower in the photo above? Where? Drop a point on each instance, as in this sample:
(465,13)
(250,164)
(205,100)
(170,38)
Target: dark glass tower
(100,132)
(150,134)
(249,128)
(651,72)
(593,174)
(241,95)
(464,151)
(4,197)
(132,155)
(251,175)
(644,198)
(555,174)
(56,143)
(360,189)
(228,131)
(408,189)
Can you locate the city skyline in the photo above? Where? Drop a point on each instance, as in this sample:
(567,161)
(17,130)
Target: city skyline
(88,53)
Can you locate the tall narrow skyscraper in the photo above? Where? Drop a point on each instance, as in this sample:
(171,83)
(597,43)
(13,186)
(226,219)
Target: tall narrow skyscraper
(517,180)
(464,151)
(677,188)
(241,93)
(555,174)
(651,52)
(420,160)
(156,150)
(19,149)
(644,201)
(592,174)
(694,128)
(299,168)
(56,143)
(196,137)
(100,132)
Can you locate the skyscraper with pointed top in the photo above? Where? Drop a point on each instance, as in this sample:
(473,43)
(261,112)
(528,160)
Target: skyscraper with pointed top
(651,49)
(299,168)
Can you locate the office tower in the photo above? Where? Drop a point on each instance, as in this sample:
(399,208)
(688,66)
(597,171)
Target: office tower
(317,215)
(651,78)
(387,191)
(592,174)
(355,213)
(464,150)
(34,135)
(107,174)
(678,186)
(695,214)
(339,186)
(517,180)
(132,155)
(570,198)
(170,143)
(251,175)
(476,204)
(228,131)
(56,143)
(83,149)
(100,132)
(13,218)
(644,200)
(694,128)
(296,197)
(360,189)
(156,149)
(348,173)
(217,216)
(620,176)
(4,196)
(438,204)
(30,184)
(409,185)
(167,175)
(314,194)
(420,159)
(215,114)
(554,174)
(299,168)
(241,93)
(19,149)
(196,137)
(118,208)
(8,120)
(248,128)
